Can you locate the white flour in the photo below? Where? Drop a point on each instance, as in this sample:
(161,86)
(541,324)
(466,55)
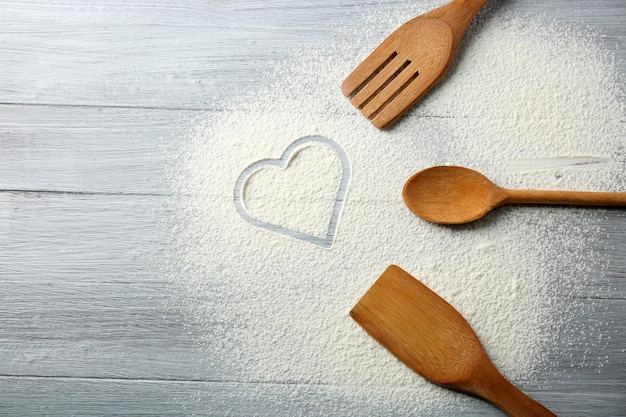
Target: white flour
(515,106)
(306,207)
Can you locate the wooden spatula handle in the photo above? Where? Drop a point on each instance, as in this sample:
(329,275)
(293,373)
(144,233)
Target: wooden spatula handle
(517,404)
(457,14)
(489,384)
(566,197)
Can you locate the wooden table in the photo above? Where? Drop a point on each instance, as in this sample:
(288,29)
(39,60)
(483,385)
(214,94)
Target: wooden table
(89,94)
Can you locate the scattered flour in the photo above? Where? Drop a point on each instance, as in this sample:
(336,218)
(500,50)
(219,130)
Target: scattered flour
(515,105)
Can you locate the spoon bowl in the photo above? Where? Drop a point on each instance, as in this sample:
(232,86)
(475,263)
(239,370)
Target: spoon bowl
(450,195)
(456,195)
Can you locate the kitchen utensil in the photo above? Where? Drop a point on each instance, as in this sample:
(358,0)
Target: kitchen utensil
(455,195)
(410,61)
(429,336)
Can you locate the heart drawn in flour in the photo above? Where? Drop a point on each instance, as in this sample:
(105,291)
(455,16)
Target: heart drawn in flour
(300,195)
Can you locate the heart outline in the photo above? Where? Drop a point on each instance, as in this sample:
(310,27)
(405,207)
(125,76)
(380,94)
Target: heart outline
(282,163)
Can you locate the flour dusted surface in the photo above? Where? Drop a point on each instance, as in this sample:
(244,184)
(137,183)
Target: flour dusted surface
(276,309)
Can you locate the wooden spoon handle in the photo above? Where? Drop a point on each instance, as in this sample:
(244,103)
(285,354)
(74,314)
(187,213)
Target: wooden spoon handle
(565,197)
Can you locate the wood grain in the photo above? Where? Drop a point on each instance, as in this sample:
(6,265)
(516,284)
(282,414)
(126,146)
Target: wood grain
(400,70)
(432,338)
(91,99)
(455,195)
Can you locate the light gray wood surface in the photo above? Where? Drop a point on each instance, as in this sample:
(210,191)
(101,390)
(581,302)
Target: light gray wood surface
(90,97)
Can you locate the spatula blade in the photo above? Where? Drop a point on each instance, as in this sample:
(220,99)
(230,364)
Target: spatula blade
(418,327)
(432,338)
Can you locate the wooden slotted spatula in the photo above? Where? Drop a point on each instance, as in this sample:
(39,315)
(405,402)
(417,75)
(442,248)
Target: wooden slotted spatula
(410,61)
(429,336)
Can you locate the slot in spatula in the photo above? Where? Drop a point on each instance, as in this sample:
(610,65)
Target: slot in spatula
(429,336)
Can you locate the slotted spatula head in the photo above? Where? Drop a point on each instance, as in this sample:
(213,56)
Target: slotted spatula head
(409,62)
(400,70)
(432,338)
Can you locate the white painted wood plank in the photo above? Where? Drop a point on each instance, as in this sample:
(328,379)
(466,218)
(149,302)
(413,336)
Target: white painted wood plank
(110,396)
(613,247)
(86,149)
(30,396)
(190,54)
(110,53)
(94,397)
(80,294)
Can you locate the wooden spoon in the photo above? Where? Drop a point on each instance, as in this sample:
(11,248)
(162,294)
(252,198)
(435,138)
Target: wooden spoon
(455,195)
(429,336)
(410,61)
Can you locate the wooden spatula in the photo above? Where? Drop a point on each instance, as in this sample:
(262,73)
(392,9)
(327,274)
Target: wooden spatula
(432,338)
(410,61)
